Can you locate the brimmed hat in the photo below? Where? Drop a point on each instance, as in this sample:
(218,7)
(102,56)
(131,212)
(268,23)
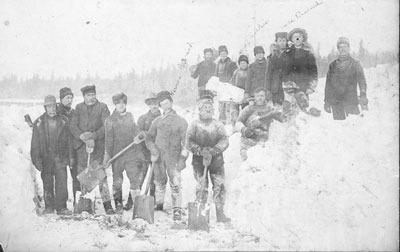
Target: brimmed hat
(50,100)
(281,35)
(152,99)
(162,95)
(297,30)
(118,97)
(342,40)
(64,92)
(243,58)
(222,48)
(88,89)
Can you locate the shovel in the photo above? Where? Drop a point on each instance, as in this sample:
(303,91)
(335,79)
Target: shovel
(85,204)
(143,207)
(94,173)
(199,213)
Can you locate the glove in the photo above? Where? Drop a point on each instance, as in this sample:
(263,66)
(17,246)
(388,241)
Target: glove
(184,154)
(214,151)
(72,163)
(87,135)
(39,166)
(142,135)
(196,150)
(155,154)
(309,91)
(205,152)
(90,143)
(106,159)
(181,163)
(362,100)
(327,108)
(247,132)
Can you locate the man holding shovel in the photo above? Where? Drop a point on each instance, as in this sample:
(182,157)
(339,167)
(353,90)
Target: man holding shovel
(87,127)
(120,131)
(166,140)
(206,139)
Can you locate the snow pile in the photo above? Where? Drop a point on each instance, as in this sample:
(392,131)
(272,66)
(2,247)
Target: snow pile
(320,184)
(225,91)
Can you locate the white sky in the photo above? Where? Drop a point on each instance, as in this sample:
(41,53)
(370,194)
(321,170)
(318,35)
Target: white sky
(41,36)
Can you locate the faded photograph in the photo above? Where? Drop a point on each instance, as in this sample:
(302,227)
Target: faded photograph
(199,125)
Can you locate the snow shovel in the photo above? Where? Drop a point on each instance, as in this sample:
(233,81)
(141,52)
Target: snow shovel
(199,213)
(94,173)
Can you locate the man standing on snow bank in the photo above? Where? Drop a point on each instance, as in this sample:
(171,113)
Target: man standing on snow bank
(65,110)
(51,154)
(341,84)
(87,127)
(166,140)
(206,138)
(254,122)
(204,70)
(256,75)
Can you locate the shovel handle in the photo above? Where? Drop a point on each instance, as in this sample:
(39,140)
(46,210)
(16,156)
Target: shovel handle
(135,141)
(150,174)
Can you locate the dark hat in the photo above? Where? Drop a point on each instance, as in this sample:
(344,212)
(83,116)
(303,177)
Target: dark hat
(88,89)
(298,30)
(208,50)
(118,97)
(162,95)
(64,92)
(281,35)
(343,40)
(222,48)
(258,49)
(152,99)
(49,100)
(243,58)
(207,94)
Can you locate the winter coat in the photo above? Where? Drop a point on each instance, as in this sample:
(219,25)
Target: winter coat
(224,70)
(342,79)
(301,68)
(89,119)
(167,133)
(210,133)
(144,123)
(256,76)
(204,70)
(120,130)
(275,67)
(67,115)
(239,78)
(40,146)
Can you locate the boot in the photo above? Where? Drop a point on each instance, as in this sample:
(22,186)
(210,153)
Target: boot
(118,203)
(108,208)
(159,207)
(220,213)
(64,211)
(48,211)
(129,203)
(177,214)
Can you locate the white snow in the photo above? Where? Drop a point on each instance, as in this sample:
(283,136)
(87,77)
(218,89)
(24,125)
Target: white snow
(317,184)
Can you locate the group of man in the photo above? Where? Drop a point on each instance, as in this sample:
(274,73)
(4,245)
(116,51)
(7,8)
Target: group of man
(64,137)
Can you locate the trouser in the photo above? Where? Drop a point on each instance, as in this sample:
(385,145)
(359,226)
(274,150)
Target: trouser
(76,186)
(133,165)
(82,163)
(247,143)
(54,177)
(166,168)
(277,98)
(224,112)
(217,176)
(341,111)
(234,112)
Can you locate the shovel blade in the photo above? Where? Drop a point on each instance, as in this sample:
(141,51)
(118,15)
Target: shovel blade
(84,205)
(143,208)
(199,216)
(92,176)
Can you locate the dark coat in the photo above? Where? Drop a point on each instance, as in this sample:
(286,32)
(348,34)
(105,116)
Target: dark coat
(301,68)
(40,146)
(341,82)
(83,121)
(224,70)
(202,134)
(256,76)
(239,78)
(275,69)
(204,70)
(144,123)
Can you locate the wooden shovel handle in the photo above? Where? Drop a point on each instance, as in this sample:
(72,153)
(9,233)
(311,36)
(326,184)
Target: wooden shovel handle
(135,141)
(150,172)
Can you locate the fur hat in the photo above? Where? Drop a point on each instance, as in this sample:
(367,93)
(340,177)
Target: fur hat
(64,92)
(243,58)
(207,95)
(88,89)
(49,100)
(162,95)
(297,30)
(343,40)
(281,35)
(208,50)
(152,99)
(222,48)
(118,97)
(258,49)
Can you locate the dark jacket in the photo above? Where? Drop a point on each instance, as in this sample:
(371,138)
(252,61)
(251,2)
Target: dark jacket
(256,76)
(120,130)
(342,79)
(89,119)
(40,146)
(209,133)
(301,68)
(224,69)
(144,123)
(239,78)
(204,70)
(67,114)
(275,67)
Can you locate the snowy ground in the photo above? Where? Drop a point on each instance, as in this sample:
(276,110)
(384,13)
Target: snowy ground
(318,184)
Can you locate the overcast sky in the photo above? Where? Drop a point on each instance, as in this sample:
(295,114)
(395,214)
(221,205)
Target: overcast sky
(107,37)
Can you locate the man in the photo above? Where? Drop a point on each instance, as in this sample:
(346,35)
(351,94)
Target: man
(51,153)
(65,110)
(301,68)
(254,122)
(87,127)
(166,141)
(224,71)
(206,138)
(204,70)
(120,131)
(256,74)
(276,65)
(341,84)
(239,79)
(144,123)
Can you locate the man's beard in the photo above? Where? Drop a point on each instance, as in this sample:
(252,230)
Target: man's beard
(206,115)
